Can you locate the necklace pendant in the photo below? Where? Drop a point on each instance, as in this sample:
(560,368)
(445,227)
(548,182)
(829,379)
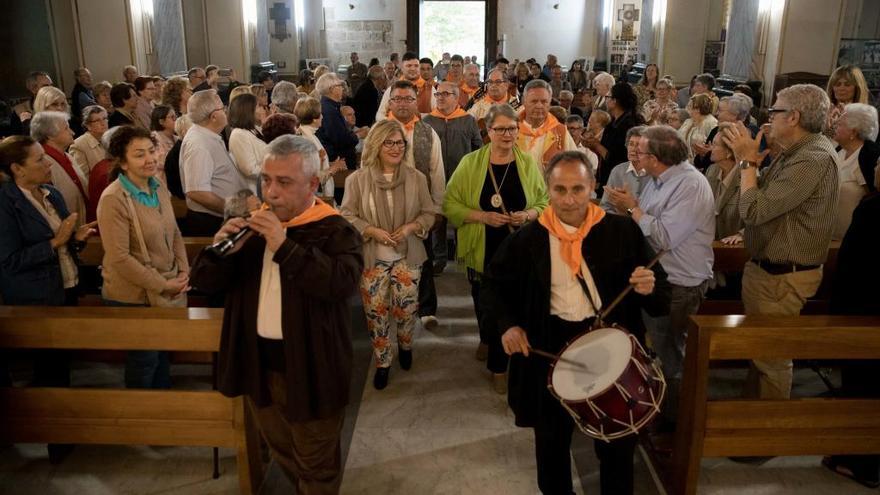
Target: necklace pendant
(496,200)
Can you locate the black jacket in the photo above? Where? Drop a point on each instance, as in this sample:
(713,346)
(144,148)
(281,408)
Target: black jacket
(30,273)
(614,140)
(516,292)
(338,140)
(366,104)
(321,265)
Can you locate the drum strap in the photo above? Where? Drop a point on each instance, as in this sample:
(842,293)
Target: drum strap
(583,284)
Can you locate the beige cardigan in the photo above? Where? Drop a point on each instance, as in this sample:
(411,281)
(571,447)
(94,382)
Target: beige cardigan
(419,208)
(87,151)
(126,278)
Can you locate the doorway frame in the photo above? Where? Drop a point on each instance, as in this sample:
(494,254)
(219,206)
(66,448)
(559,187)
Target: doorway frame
(414,21)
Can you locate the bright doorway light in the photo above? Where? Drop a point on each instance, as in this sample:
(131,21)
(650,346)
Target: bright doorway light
(454,27)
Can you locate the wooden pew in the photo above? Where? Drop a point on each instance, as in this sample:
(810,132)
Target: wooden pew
(93,254)
(123,416)
(751,427)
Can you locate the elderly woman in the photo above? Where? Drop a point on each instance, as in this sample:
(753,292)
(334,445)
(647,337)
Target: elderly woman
(602,84)
(308,112)
(521,77)
(101,91)
(37,240)
(858,155)
(696,129)
(99,177)
(735,108)
(646,88)
(145,261)
(846,85)
(86,150)
(176,93)
(390,205)
(723,176)
(622,104)
(339,141)
(125,101)
(51,130)
(492,191)
(279,124)
(52,99)
(172,159)
(654,109)
(162,121)
(245,142)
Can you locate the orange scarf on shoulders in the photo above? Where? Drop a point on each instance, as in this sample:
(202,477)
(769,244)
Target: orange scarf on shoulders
(409,126)
(454,115)
(420,83)
(491,101)
(467,89)
(549,123)
(318,211)
(570,244)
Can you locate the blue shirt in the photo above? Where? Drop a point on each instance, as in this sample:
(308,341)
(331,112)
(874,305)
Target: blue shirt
(150,199)
(679,217)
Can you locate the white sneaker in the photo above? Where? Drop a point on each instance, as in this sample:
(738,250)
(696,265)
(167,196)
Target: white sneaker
(430,322)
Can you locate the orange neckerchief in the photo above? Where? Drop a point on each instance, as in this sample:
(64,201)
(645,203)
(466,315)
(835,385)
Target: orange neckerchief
(460,79)
(318,211)
(409,126)
(491,101)
(420,83)
(549,123)
(570,243)
(467,89)
(458,112)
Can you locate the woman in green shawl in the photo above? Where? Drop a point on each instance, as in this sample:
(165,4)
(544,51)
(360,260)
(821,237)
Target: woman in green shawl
(492,192)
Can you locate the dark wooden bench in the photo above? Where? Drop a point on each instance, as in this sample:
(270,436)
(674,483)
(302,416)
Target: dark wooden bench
(124,416)
(751,427)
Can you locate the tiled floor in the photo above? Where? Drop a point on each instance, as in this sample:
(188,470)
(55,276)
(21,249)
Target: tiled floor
(437,429)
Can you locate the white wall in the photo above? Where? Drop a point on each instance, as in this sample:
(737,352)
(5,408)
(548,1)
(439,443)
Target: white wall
(533,28)
(104,37)
(225,33)
(684,39)
(811,36)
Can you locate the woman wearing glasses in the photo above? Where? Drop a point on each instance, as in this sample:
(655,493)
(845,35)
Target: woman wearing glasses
(391,207)
(493,191)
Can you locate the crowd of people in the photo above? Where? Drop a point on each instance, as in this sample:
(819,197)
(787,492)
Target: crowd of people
(365,180)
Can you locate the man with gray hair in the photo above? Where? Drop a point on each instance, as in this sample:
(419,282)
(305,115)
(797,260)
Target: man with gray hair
(284,98)
(208,172)
(676,212)
(788,215)
(130,73)
(541,135)
(470,86)
(286,338)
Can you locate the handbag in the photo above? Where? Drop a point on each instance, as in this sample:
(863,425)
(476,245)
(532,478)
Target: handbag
(154,298)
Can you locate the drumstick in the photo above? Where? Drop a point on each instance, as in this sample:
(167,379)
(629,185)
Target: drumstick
(628,288)
(554,357)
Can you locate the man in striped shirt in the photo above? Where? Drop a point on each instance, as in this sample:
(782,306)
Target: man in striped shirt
(788,214)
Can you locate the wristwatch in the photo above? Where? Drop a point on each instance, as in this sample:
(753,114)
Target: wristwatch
(629,211)
(745,164)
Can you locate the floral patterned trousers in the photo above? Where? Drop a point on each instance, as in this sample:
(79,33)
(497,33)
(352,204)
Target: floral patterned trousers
(390,291)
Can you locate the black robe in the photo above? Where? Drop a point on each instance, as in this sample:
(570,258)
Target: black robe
(516,292)
(321,265)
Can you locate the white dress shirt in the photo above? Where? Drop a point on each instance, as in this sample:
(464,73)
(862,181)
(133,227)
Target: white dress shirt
(567,298)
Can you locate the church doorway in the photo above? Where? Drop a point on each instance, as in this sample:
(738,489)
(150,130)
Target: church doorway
(465,27)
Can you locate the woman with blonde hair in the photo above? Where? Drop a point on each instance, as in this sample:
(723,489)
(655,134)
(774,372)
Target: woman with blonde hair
(52,99)
(308,111)
(696,129)
(390,205)
(846,85)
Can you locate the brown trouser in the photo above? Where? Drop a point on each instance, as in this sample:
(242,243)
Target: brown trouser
(774,295)
(307,451)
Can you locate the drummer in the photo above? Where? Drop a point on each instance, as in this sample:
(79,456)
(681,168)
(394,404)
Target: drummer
(580,259)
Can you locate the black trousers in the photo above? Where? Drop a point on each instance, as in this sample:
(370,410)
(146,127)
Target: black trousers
(859,379)
(489,333)
(553,431)
(200,224)
(427,289)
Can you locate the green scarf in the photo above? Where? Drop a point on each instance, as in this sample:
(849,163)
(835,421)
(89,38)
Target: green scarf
(463,195)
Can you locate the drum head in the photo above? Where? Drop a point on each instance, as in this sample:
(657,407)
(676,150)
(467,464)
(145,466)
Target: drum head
(605,352)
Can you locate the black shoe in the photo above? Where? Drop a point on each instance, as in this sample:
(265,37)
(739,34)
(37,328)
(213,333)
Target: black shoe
(405,359)
(59,451)
(380,379)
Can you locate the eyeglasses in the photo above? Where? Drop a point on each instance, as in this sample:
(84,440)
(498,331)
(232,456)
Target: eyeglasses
(773,110)
(93,121)
(443,94)
(403,99)
(215,111)
(495,82)
(339,85)
(505,131)
(641,153)
(391,144)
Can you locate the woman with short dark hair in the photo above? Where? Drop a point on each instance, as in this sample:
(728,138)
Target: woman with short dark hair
(145,261)
(622,104)
(246,142)
(125,102)
(162,122)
